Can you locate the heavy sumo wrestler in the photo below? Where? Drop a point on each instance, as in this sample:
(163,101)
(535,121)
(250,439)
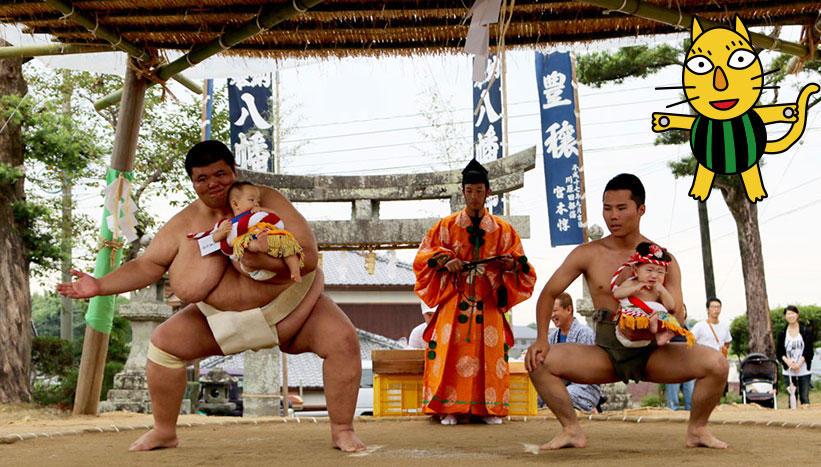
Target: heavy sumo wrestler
(229,312)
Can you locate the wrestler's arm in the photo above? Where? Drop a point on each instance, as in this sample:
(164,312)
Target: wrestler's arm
(571,268)
(296,225)
(673,285)
(135,274)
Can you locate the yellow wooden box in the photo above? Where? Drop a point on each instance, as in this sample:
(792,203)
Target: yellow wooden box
(400,395)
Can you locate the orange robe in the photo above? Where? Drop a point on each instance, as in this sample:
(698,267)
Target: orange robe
(468,339)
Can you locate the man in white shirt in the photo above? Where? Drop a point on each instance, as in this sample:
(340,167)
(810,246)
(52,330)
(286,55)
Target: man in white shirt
(711,332)
(415,340)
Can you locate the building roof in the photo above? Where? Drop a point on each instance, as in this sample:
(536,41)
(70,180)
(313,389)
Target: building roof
(347,268)
(524,332)
(304,369)
(364,27)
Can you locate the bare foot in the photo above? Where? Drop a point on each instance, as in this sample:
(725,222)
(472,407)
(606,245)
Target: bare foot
(701,438)
(568,438)
(663,337)
(654,323)
(154,440)
(296,277)
(346,441)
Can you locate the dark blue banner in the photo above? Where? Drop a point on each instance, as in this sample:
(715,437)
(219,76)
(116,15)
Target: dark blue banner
(560,147)
(249,110)
(487,124)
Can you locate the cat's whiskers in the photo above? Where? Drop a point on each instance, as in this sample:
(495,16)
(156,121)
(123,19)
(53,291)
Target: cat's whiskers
(681,102)
(765,73)
(666,88)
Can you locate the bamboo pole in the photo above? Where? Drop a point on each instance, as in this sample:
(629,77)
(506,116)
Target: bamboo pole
(115,96)
(95,346)
(683,20)
(39,50)
(116,40)
(268,17)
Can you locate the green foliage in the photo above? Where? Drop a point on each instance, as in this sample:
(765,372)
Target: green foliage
(739,328)
(653,400)
(34,218)
(56,362)
(600,67)
(9,174)
(51,355)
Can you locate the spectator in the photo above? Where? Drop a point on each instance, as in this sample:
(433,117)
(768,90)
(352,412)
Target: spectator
(711,332)
(584,397)
(415,340)
(795,351)
(671,390)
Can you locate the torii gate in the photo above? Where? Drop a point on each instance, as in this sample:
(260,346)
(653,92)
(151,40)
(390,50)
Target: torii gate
(442,29)
(365,230)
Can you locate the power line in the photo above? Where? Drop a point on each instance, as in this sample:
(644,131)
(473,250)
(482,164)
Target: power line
(461,109)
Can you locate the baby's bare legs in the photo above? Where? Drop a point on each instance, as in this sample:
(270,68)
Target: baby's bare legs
(654,323)
(260,243)
(293,266)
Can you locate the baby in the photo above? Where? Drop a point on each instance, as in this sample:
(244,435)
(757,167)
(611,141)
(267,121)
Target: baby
(644,301)
(256,230)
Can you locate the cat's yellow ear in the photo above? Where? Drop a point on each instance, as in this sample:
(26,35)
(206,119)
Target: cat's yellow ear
(741,29)
(696,29)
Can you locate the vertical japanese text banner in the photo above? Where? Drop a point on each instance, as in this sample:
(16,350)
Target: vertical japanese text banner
(560,147)
(487,124)
(249,110)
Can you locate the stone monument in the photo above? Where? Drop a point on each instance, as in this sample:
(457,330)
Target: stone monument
(261,396)
(145,312)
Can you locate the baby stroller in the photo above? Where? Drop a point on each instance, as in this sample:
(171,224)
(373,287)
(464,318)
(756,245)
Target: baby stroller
(759,378)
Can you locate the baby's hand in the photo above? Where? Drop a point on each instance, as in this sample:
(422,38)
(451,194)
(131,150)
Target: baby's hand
(222,230)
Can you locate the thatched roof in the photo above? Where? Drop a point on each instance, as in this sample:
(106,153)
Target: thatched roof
(363,27)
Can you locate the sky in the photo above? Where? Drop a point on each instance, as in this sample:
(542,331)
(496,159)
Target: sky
(366,116)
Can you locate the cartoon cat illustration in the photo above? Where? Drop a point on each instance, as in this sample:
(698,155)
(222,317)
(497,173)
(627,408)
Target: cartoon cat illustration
(723,80)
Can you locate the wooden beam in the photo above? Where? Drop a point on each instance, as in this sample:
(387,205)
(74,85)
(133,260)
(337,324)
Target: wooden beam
(268,17)
(95,345)
(19,51)
(116,40)
(683,20)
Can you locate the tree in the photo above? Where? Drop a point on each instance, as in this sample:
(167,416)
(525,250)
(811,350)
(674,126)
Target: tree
(598,68)
(15,303)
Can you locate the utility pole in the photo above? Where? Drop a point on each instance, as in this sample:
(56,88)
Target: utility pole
(277,122)
(706,250)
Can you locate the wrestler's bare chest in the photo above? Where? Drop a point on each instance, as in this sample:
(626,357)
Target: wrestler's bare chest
(601,264)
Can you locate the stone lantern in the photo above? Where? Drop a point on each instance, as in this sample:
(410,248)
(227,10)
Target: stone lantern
(145,312)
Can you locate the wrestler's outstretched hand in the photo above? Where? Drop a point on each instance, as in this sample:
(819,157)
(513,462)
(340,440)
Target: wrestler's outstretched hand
(85,286)
(536,354)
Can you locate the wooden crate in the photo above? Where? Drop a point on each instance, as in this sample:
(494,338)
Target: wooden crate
(397,385)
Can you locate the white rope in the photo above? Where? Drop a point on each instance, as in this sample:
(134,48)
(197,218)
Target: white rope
(14,111)
(69,14)
(301,10)
(256,20)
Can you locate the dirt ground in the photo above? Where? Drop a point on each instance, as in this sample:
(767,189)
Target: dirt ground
(656,439)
